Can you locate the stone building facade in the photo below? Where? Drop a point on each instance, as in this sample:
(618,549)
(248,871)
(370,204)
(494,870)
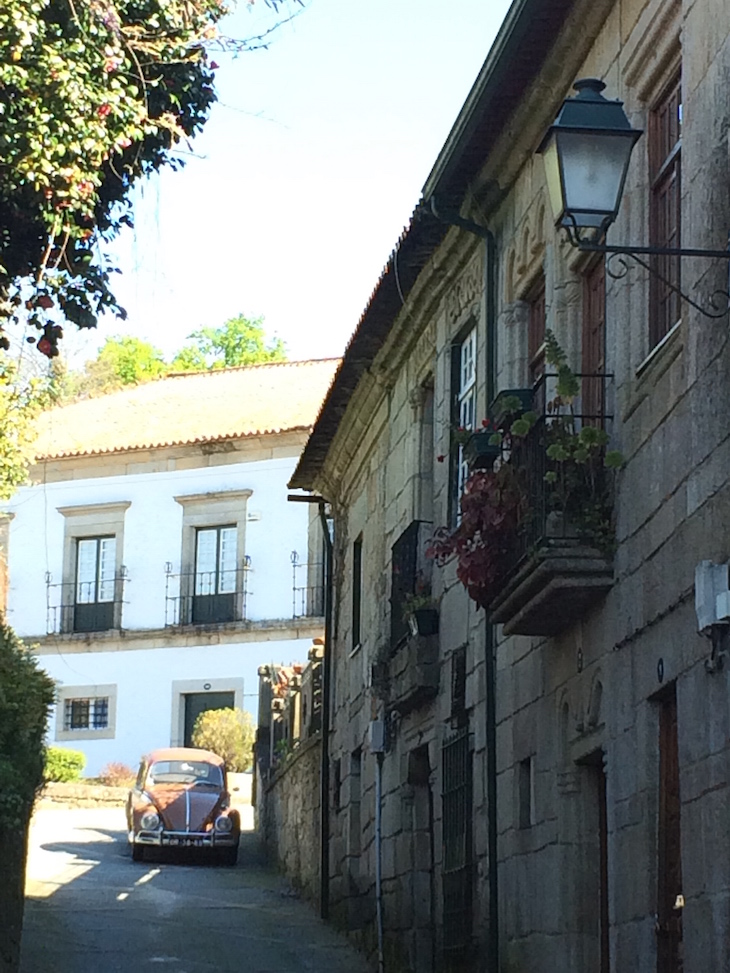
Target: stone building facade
(577,824)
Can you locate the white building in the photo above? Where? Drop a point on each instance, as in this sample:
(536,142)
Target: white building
(151,560)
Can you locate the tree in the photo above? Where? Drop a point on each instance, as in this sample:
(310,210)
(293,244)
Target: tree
(22,401)
(124,360)
(94,95)
(228,732)
(26,693)
(240,341)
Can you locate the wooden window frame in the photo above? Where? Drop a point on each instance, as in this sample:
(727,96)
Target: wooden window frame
(665,208)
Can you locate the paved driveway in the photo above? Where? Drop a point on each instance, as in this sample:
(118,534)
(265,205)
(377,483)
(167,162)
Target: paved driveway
(91,909)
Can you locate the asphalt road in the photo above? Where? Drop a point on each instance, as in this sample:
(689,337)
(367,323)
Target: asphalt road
(91,909)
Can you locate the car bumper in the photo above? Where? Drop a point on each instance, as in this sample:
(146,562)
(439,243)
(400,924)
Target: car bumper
(186,839)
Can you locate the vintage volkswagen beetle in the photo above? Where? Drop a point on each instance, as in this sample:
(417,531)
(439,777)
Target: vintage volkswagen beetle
(180,800)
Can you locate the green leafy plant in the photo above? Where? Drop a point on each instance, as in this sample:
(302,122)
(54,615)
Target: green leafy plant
(26,693)
(64,766)
(418,602)
(228,732)
(496,508)
(94,96)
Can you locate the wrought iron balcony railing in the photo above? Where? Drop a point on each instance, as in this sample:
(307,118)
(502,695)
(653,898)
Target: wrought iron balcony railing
(206,597)
(84,607)
(562,495)
(308,585)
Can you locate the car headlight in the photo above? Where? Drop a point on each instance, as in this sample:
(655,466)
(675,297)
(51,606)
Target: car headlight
(150,820)
(223,824)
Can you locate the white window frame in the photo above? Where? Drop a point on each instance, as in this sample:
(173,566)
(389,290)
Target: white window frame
(466,399)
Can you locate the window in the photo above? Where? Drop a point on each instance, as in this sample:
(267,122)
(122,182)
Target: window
(526,792)
(356,593)
(91,591)
(86,712)
(95,588)
(464,363)
(209,587)
(215,574)
(536,331)
(665,140)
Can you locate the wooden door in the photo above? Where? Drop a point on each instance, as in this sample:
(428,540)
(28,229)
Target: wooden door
(669,890)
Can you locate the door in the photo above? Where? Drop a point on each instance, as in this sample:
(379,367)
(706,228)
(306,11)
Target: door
(197,703)
(669,890)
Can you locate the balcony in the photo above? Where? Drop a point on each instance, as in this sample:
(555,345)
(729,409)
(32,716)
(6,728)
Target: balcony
(84,607)
(413,673)
(308,587)
(559,563)
(410,578)
(206,597)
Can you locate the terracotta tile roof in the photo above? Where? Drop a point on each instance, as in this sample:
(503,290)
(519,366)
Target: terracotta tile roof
(192,407)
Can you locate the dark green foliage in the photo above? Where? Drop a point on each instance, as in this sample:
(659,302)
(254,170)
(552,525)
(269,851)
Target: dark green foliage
(62,765)
(26,692)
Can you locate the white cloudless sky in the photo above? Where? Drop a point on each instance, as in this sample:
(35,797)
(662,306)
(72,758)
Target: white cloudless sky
(307,171)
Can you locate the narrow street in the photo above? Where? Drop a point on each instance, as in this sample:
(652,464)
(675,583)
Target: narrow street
(91,909)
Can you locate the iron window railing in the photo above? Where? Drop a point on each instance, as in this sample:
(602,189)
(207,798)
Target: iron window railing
(545,521)
(308,586)
(194,598)
(410,575)
(86,714)
(81,607)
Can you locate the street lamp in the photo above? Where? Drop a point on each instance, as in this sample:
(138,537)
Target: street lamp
(587,151)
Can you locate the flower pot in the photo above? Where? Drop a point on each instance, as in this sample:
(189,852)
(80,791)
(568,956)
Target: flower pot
(479,452)
(423,621)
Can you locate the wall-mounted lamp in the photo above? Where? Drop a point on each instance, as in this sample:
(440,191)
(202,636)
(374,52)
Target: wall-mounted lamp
(586,152)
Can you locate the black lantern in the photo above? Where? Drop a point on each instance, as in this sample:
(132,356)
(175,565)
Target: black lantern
(587,151)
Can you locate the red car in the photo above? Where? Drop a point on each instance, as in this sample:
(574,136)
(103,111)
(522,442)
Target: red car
(181,800)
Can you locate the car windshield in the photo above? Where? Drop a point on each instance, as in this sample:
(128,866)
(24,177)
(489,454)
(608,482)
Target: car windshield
(185,772)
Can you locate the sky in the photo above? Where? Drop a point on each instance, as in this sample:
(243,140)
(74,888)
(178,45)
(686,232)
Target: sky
(308,169)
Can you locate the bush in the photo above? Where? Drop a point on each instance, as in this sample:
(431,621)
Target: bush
(64,765)
(117,775)
(228,732)
(26,693)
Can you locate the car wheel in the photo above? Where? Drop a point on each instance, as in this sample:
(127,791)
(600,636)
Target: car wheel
(137,853)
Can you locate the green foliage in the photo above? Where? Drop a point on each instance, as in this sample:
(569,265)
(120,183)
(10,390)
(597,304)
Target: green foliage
(228,732)
(496,505)
(93,96)
(64,766)
(21,404)
(240,341)
(26,693)
(131,361)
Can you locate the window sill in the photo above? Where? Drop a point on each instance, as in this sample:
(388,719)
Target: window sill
(354,652)
(669,340)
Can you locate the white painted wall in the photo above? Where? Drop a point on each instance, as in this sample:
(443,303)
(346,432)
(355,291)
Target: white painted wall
(152,536)
(144,681)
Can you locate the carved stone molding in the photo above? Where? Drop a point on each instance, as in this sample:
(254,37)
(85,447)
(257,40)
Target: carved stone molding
(466,291)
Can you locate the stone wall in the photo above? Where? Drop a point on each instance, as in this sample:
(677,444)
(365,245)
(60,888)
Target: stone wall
(289,817)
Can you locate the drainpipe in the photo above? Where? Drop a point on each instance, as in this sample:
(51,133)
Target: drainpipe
(378,857)
(490,288)
(324,776)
